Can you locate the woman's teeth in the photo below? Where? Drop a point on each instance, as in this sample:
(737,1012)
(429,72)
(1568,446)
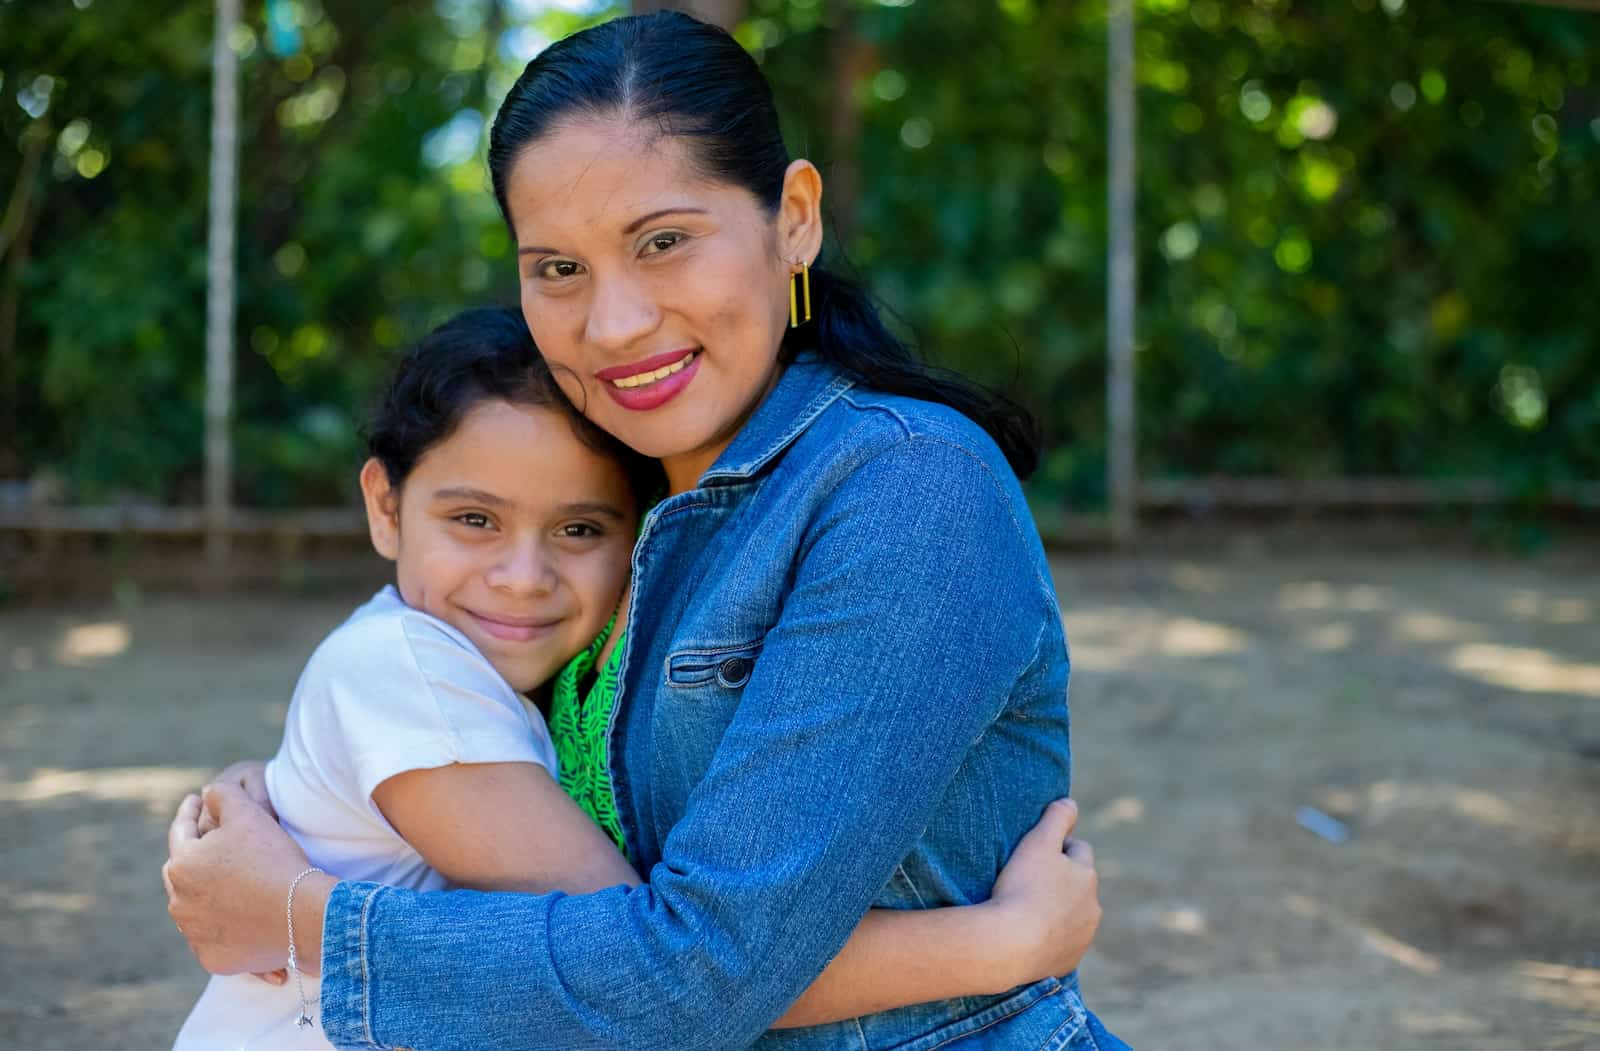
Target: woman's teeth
(639,380)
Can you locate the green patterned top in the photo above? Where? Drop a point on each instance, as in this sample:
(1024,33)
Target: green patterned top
(581,729)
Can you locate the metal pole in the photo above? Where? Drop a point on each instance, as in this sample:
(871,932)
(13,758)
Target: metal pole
(1121,291)
(219,281)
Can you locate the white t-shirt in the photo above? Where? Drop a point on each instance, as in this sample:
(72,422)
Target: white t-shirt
(392,689)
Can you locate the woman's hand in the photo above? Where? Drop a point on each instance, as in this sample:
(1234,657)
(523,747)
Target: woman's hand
(1048,896)
(226,891)
(248,774)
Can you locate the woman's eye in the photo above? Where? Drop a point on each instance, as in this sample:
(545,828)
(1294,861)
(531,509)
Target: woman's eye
(559,269)
(659,243)
(474,520)
(580,529)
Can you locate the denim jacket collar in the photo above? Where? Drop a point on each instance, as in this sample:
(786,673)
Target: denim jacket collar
(807,387)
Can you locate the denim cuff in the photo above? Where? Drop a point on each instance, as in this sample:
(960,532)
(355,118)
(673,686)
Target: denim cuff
(346,996)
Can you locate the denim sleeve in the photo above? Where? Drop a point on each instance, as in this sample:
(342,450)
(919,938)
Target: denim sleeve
(918,604)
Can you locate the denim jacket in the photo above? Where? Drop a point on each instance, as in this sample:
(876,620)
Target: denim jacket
(844,686)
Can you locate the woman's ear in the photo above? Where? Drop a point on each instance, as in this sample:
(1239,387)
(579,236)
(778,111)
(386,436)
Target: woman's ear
(800,213)
(383,509)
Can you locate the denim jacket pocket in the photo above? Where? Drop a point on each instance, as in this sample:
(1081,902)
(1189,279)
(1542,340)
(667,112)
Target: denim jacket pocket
(703,688)
(1044,1016)
(726,666)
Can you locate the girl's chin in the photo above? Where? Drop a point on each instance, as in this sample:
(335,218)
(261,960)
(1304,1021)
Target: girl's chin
(527,682)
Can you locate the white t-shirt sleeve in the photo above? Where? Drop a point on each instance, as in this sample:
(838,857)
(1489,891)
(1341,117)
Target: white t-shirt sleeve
(400,691)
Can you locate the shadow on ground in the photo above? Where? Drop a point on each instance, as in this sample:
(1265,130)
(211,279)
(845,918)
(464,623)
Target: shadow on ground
(1445,707)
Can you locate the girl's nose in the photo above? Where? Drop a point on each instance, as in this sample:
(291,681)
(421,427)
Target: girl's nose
(526,570)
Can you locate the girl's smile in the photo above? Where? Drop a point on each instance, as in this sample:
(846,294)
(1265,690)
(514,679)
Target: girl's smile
(513,628)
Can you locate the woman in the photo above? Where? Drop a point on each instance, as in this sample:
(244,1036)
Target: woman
(844,680)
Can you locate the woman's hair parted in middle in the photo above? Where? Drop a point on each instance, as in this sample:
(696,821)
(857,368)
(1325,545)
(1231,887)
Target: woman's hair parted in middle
(478,355)
(693,81)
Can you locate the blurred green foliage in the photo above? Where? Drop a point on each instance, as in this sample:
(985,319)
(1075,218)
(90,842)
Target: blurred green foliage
(1369,229)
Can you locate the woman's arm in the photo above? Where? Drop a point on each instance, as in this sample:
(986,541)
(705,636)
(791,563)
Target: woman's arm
(509,826)
(1039,921)
(468,822)
(776,858)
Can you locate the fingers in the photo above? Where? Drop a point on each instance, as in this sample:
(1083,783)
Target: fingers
(278,977)
(221,798)
(185,824)
(1059,819)
(1080,851)
(249,775)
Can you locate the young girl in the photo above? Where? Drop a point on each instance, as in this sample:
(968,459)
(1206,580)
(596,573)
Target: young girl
(510,520)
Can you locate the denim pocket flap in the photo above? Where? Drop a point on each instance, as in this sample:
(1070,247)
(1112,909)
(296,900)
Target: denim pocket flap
(727,666)
(1044,1016)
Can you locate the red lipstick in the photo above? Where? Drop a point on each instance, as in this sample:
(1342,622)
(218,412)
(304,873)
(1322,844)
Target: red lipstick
(650,394)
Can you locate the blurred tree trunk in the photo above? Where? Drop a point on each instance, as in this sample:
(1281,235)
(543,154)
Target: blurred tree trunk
(725,13)
(220,295)
(1122,271)
(850,58)
(16,240)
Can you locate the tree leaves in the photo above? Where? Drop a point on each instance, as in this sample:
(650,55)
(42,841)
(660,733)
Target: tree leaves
(1369,232)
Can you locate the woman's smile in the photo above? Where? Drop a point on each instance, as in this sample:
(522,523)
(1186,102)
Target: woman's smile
(652,382)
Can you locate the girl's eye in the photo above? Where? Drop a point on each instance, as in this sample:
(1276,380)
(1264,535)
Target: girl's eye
(559,269)
(659,243)
(474,520)
(580,530)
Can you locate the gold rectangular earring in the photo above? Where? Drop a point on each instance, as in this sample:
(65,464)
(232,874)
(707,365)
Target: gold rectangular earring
(800,297)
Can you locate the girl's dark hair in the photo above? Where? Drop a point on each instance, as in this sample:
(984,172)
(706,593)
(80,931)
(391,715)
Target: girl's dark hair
(480,354)
(692,80)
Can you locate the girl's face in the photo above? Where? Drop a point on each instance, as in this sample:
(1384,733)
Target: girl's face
(512,531)
(658,297)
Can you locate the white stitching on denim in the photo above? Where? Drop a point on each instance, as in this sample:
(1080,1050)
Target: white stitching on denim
(366,969)
(803,420)
(900,870)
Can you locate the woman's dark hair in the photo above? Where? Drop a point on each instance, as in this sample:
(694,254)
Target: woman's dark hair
(478,355)
(692,80)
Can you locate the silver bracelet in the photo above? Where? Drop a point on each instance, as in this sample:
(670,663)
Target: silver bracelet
(305,1018)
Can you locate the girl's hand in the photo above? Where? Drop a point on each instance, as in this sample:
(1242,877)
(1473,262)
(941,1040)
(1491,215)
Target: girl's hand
(1048,896)
(248,774)
(226,892)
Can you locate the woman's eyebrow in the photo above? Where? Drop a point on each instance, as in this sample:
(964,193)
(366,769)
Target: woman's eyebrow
(631,228)
(634,226)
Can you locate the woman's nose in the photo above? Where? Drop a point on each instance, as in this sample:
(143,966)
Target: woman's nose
(621,313)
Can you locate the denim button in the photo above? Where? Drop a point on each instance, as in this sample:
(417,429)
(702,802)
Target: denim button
(735,671)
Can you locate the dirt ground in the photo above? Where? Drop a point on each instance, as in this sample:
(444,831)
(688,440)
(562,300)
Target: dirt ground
(1444,705)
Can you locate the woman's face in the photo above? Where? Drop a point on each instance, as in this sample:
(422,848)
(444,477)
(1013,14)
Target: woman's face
(658,297)
(512,531)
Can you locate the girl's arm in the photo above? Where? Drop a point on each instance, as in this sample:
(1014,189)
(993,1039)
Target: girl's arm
(509,826)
